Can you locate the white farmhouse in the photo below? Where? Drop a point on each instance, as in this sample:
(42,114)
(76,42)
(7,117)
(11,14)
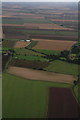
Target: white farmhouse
(28,40)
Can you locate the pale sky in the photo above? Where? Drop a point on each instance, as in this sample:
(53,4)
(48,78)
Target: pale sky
(40,0)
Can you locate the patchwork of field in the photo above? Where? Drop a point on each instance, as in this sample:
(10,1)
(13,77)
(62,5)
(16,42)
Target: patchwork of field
(21,44)
(29,97)
(64,20)
(46,26)
(38,26)
(22,30)
(41,75)
(67,107)
(37,83)
(55,37)
(53,44)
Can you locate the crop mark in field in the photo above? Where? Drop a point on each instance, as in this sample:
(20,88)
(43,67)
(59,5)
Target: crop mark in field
(41,75)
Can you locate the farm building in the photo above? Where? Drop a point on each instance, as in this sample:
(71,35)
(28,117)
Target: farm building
(26,40)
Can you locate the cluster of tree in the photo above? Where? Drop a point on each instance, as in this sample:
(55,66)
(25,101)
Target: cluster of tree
(72,55)
(76,82)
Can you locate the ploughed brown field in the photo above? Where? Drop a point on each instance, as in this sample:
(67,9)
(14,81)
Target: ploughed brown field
(53,44)
(62,104)
(21,44)
(40,75)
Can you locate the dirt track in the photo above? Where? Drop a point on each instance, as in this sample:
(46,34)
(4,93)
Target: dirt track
(40,75)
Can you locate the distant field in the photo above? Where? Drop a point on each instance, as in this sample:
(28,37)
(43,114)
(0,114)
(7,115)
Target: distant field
(64,20)
(23,35)
(46,26)
(38,31)
(12,21)
(48,52)
(63,67)
(24,30)
(29,98)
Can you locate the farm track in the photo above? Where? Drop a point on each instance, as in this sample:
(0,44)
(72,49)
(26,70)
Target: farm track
(41,75)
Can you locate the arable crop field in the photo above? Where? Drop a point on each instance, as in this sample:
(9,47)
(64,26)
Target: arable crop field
(66,107)
(40,80)
(21,44)
(41,75)
(58,66)
(53,44)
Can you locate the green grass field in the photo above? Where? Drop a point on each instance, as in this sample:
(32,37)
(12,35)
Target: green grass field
(24,98)
(24,51)
(63,67)
(32,58)
(22,21)
(48,52)
(34,20)
(12,21)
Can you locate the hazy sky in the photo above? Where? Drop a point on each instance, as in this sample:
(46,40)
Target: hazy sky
(40,0)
